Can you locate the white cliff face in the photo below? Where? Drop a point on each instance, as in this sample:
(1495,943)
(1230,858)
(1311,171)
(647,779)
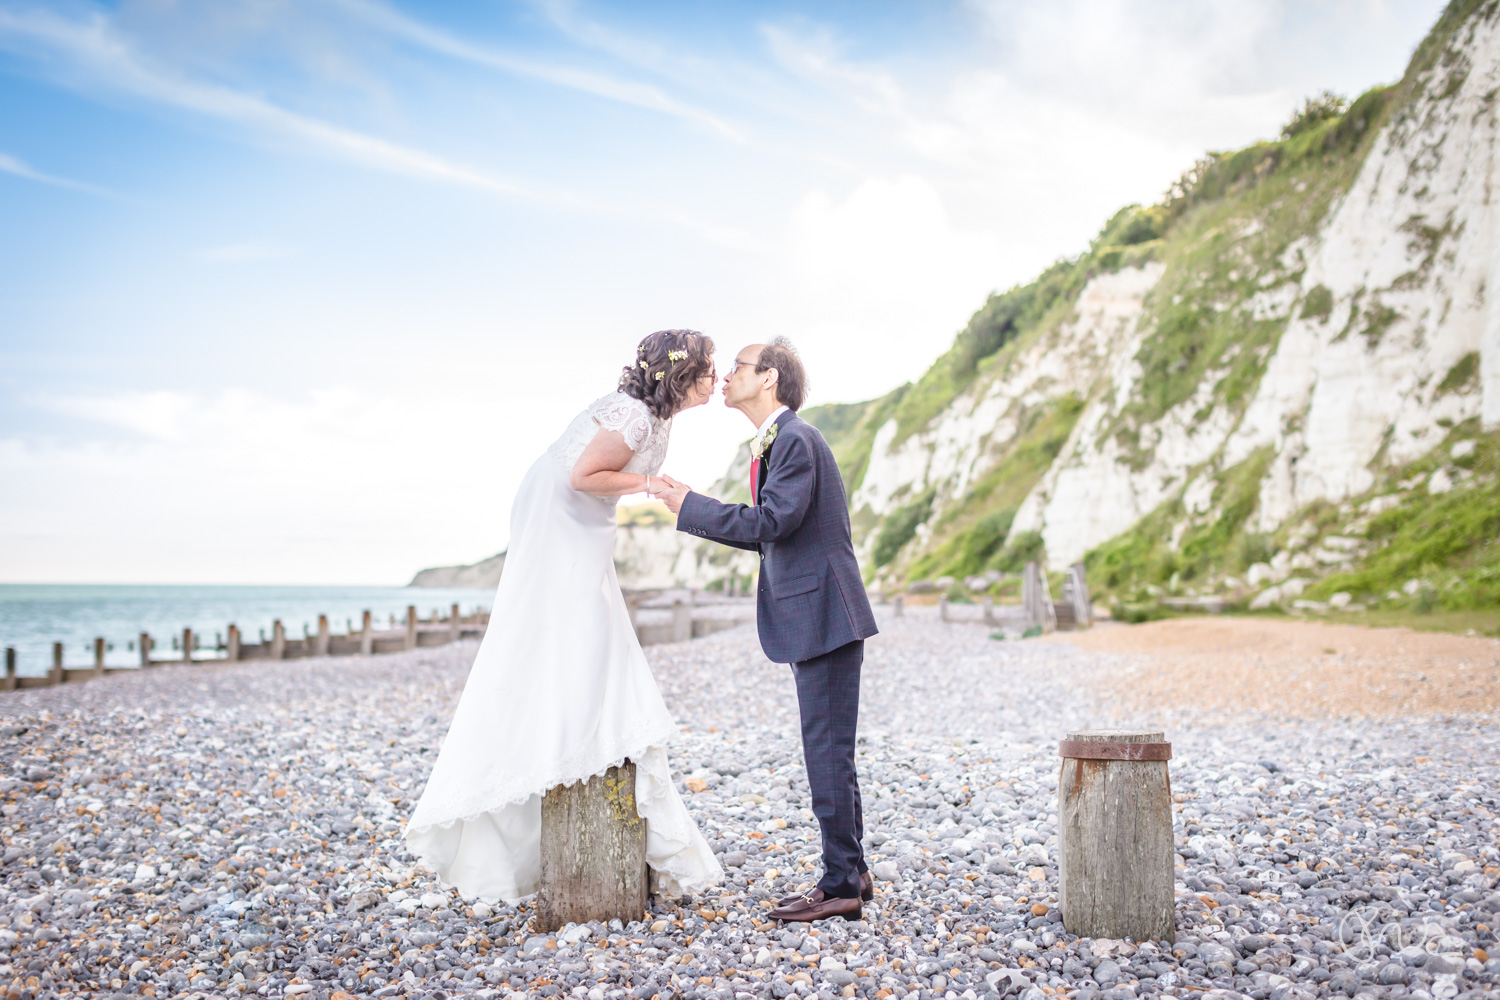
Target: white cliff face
(1381,310)
(1408,256)
(970,436)
(658,556)
(1413,248)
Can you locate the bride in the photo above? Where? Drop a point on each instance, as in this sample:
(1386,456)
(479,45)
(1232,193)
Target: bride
(560,689)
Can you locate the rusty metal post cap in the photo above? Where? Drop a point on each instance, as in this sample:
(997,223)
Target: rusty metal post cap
(1097,745)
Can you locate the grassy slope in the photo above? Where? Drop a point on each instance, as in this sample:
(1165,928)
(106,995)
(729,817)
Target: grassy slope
(1228,233)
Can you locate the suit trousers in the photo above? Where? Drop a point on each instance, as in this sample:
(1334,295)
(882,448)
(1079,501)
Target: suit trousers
(828,699)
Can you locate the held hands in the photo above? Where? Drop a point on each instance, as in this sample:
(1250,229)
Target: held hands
(671,492)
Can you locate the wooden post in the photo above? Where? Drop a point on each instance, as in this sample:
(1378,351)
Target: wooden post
(898,606)
(1083,608)
(187,645)
(99,656)
(8,682)
(411,626)
(367,636)
(278,640)
(57,674)
(232,647)
(455,626)
(324,637)
(943,608)
(682,621)
(144,641)
(593,852)
(988,604)
(1114,819)
(1036,600)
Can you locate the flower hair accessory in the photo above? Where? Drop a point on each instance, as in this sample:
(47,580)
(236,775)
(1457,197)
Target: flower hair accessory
(677,355)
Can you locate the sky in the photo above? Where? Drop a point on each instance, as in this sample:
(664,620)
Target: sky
(294,291)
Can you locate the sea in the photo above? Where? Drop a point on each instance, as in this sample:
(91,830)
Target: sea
(34,616)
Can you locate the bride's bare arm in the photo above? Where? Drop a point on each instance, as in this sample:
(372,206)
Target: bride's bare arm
(597,470)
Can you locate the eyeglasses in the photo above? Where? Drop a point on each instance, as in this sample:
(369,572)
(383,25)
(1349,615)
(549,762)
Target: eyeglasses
(735,368)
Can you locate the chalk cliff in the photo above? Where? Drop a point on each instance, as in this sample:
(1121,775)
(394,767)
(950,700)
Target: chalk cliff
(1299,345)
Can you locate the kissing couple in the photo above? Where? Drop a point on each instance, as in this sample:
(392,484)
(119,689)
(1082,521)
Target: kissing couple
(560,690)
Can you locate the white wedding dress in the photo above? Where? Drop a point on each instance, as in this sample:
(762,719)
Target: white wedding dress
(559,690)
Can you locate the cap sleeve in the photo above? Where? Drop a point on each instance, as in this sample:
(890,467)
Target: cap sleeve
(625,414)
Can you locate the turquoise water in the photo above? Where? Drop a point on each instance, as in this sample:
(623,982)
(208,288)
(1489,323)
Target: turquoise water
(34,616)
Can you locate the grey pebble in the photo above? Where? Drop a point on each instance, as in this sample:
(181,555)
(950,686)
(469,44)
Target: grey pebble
(1298,851)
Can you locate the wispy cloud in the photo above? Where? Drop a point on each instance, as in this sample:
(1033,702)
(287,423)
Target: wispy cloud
(93,46)
(12,165)
(386,18)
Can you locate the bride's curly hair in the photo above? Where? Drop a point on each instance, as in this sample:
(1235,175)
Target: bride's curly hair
(666,365)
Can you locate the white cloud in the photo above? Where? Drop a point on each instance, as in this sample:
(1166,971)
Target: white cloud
(240,485)
(890,240)
(12,165)
(883,272)
(388,19)
(110,59)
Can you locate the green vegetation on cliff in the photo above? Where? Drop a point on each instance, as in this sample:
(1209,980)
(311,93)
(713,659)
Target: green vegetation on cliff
(1232,241)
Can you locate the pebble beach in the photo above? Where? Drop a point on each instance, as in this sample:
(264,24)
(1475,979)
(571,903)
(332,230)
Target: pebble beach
(228,831)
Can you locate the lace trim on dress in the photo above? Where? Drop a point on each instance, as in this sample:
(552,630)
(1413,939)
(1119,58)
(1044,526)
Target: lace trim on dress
(565,772)
(626,414)
(646,435)
(679,875)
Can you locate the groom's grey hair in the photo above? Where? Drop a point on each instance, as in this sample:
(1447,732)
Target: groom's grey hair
(791,377)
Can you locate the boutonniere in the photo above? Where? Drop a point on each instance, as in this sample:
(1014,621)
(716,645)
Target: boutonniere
(759,445)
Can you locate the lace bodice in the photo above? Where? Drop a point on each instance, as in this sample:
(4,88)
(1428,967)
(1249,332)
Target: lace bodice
(646,435)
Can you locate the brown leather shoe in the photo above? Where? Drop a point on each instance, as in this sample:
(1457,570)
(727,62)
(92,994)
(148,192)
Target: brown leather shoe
(866,890)
(816,906)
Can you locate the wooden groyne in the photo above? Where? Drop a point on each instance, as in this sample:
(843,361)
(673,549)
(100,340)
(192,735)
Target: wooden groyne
(412,633)
(230,647)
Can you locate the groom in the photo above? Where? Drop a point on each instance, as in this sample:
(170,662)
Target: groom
(811,608)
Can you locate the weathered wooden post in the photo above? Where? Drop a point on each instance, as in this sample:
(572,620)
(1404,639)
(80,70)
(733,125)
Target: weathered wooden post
(988,605)
(898,606)
(1036,599)
(145,644)
(324,637)
(1114,821)
(8,682)
(455,625)
(232,647)
(1083,608)
(56,674)
(366,636)
(411,626)
(187,645)
(593,852)
(99,656)
(278,640)
(682,621)
(943,608)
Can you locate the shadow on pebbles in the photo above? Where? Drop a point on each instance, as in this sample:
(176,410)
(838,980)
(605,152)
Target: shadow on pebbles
(235,830)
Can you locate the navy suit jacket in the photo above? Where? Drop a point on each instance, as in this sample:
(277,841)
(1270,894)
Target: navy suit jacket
(811,599)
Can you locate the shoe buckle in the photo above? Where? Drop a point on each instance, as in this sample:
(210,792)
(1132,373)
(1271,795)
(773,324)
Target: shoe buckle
(807,898)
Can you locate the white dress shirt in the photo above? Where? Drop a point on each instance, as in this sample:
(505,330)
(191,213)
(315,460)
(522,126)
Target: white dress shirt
(761,434)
